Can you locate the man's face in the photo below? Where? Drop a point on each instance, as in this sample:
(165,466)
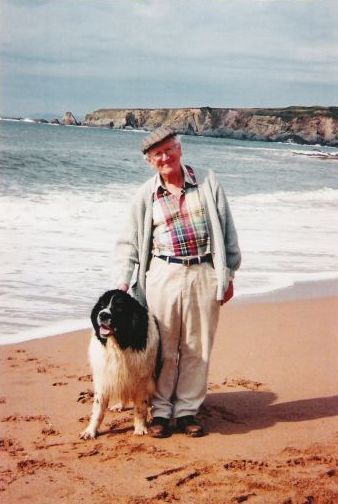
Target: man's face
(166,157)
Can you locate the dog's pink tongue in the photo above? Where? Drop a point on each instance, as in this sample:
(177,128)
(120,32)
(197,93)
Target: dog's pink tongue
(104,331)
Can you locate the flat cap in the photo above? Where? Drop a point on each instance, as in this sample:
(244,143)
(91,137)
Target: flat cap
(157,136)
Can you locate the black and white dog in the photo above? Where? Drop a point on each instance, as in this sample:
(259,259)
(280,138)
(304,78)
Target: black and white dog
(123,354)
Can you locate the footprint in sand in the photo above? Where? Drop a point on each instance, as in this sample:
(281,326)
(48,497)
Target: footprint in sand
(45,367)
(29,466)
(84,419)
(245,464)
(86,378)
(11,446)
(93,451)
(25,418)
(7,477)
(243,382)
(85,396)
(50,430)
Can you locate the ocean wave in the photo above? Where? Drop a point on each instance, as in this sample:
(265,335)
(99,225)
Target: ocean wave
(66,198)
(7,119)
(325,195)
(45,331)
(317,154)
(285,151)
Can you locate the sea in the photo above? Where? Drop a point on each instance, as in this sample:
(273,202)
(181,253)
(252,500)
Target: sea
(64,197)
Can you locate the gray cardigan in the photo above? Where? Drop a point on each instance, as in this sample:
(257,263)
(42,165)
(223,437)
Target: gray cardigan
(133,249)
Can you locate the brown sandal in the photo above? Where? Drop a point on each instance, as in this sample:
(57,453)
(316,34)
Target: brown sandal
(190,426)
(159,428)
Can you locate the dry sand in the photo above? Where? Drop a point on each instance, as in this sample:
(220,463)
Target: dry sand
(271,416)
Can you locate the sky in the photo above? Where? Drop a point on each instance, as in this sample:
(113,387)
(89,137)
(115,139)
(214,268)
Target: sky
(82,55)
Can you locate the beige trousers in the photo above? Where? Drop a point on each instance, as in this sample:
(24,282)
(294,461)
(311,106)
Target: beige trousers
(183,301)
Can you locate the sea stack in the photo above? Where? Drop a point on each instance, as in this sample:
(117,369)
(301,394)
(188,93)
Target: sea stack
(69,120)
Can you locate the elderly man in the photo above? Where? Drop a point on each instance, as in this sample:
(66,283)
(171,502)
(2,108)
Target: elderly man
(178,256)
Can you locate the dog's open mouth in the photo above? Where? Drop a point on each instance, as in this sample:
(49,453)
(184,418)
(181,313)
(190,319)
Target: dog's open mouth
(105,331)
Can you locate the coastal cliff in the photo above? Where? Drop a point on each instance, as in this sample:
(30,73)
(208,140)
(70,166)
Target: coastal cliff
(305,125)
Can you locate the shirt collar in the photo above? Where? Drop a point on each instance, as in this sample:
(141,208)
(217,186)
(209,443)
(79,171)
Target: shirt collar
(189,179)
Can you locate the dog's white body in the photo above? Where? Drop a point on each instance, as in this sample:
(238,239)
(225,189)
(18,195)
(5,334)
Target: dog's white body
(122,376)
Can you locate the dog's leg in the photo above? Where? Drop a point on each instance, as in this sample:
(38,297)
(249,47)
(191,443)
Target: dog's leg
(120,406)
(99,407)
(140,417)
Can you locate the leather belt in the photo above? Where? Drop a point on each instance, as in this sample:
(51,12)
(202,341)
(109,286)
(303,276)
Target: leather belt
(187,261)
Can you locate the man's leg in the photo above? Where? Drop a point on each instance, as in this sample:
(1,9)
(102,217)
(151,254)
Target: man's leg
(200,312)
(163,292)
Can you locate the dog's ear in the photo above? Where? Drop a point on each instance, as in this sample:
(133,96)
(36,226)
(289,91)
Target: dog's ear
(132,327)
(139,325)
(138,321)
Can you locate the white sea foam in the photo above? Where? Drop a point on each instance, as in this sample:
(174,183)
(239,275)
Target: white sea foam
(318,154)
(325,195)
(8,119)
(65,195)
(45,331)
(57,249)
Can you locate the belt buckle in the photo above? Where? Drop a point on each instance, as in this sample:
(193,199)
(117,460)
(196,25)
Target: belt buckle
(186,263)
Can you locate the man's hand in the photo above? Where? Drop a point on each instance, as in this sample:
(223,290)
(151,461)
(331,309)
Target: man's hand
(229,293)
(123,287)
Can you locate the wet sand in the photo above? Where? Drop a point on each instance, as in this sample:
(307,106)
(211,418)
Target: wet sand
(271,416)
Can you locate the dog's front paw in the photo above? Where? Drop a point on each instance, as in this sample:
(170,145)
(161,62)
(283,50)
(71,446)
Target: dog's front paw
(88,434)
(140,430)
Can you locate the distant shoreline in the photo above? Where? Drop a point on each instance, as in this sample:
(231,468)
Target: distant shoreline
(300,125)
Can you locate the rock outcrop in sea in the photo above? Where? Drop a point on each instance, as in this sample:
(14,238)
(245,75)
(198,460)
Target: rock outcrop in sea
(304,125)
(69,120)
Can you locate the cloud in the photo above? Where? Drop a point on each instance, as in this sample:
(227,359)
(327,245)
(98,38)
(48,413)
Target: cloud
(28,3)
(193,43)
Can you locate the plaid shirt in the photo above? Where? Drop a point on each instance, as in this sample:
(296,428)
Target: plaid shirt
(179,223)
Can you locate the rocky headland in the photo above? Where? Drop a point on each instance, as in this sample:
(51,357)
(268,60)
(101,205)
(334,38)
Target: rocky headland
(304,125)
(69,120)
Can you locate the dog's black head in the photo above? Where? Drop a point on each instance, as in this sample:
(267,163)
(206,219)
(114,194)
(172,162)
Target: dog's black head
(117,315)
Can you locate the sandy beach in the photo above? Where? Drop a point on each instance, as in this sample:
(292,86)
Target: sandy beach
(270,414)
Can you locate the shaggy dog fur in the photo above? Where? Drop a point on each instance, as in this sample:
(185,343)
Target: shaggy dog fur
(122,354)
